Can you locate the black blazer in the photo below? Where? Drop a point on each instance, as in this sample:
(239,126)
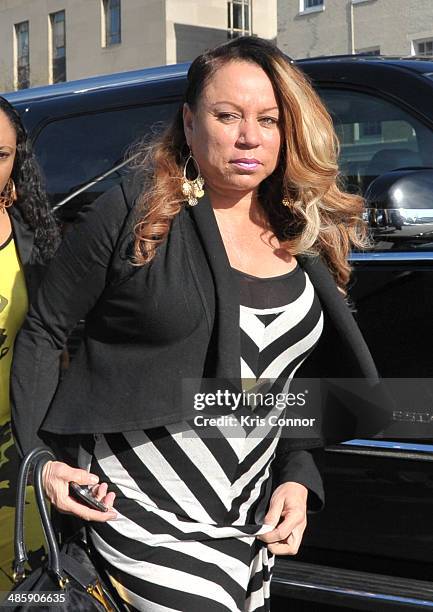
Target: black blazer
(24,241)
(147,328)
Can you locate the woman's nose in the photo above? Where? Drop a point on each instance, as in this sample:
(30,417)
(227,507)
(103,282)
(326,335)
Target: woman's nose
(249,133)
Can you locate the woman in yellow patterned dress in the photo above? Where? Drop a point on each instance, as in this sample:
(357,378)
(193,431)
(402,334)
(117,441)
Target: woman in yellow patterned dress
(28,238)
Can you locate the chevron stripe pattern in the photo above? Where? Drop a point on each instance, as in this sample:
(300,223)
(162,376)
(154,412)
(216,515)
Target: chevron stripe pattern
(190,506)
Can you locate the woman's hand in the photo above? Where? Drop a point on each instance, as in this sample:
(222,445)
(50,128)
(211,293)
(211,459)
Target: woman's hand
(56,477)
(287,513)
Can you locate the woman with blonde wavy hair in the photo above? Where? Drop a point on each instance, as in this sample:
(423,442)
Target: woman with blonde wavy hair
(222,260)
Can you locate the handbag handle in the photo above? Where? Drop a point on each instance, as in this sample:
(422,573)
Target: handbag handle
(53,564)
(28,462)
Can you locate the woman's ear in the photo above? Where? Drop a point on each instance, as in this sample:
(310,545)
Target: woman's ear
(187,122)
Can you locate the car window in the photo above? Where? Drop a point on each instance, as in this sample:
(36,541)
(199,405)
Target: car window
(392,301)
(376,136)
(397,328)
(74,150)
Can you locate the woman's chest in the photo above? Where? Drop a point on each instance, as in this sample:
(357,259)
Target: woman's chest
(13,292)
(255,251)
(5,228)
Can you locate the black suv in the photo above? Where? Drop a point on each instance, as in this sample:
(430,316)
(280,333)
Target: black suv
(370,548)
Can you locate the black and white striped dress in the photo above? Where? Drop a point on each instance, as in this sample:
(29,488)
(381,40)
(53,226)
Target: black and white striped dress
(190,506)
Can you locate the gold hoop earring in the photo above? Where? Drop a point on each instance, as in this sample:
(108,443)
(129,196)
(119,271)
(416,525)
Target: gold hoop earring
(8,196)
(192,189)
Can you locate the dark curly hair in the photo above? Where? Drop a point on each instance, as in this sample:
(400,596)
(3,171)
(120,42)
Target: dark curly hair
(32,201)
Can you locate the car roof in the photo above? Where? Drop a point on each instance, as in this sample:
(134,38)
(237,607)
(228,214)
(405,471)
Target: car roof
(161,73)
(415,63)
(104,81)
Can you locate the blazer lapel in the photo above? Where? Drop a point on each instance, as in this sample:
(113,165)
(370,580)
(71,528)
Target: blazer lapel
(224,359)
(23,236)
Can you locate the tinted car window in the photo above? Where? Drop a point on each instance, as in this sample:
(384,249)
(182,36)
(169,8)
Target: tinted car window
(393,311)
(376,136)
(75,150)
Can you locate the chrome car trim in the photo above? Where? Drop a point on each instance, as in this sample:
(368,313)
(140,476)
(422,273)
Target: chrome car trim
(385,448)
(394,444)
(356,593)
(392,256)
(93,182)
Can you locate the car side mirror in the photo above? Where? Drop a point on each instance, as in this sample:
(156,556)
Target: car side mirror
(399,205)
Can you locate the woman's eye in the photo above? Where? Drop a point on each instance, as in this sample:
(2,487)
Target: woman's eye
(269,121)
(4,154)
(227,117)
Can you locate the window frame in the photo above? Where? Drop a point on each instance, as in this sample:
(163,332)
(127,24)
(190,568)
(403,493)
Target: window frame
(118,164)
(401,104)
(54,49)
(305,9)
(107,9)
(246,15)
(21,83)
(422,41)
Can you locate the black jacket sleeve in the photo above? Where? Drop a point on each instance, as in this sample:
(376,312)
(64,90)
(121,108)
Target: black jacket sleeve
(71,287)
(299,466)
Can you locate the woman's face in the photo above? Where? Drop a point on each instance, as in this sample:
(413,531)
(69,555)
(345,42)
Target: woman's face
(8,141)
(234,131)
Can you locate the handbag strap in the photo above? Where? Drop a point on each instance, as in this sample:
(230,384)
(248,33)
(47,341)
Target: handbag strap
(53,564)
(28,462)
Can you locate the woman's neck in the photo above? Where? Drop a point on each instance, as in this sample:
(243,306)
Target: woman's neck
(236,204)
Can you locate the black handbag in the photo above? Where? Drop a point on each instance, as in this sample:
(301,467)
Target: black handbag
(68,581)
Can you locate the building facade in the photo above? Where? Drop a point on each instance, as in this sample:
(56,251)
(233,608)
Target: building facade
(47,41)
(309,28)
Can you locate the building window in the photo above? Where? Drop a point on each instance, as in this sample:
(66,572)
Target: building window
(311,6)
(424,47)
(111,16)
(22,55)
(58,47)
(239,18)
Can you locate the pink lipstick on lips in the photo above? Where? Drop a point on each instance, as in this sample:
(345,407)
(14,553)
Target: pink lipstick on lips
(247,163)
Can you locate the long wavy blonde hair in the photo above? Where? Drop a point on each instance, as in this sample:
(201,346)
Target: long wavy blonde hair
(321,218)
